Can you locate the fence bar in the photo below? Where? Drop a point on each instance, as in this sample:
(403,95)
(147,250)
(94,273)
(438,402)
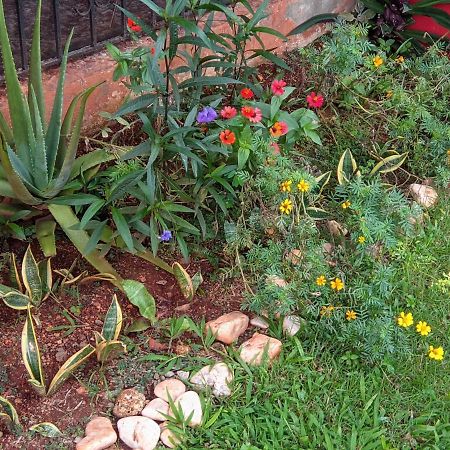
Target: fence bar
(23,53)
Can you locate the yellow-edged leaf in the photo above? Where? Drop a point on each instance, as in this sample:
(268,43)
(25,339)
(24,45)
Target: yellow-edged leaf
(46,274)
(46,429)
(184,281)
(31,355)
(31,278)
(16,300)
(14,273)
(323,180)
(138,294)
(69,366)
(347,167)
(9,410)
(109,349)
(112,324)
(389,164)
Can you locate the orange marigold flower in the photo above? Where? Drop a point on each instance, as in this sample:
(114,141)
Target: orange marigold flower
(227,137)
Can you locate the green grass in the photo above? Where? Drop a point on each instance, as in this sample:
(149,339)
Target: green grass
(314,399)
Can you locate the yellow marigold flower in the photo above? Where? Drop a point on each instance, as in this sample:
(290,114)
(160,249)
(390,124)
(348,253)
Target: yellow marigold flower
(377,61)
(346,204)
(326,310)
(405,320)
(423,328)
(350,315)
(303,186)
(389,94)
(286,206)
(285,186)
(400,59)
(361,239)
(436,353)
(321,281)
(337,284)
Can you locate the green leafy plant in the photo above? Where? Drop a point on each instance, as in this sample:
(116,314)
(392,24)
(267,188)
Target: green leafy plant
(107,346)
(32,286)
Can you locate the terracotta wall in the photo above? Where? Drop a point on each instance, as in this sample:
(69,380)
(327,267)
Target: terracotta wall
(284,16)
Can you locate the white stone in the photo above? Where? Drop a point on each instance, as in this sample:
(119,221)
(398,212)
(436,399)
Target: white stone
(277,281)
(259,322)
(253,350)
(336,229)
(172,387)
(291,325)
(183,375)
(217,376)
(156,409)
(169,438)
(140,433)
(100,434)
(229,327)
(189,403)
(424,195)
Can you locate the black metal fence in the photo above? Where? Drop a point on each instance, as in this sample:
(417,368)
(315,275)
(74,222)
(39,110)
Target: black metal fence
(95,22)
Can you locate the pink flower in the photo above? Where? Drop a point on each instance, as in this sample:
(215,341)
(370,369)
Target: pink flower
(278,87)
(228,112)
(279,129)
(252,114)
(276,148)
(314,100)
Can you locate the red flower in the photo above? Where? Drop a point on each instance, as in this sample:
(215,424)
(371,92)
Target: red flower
(278,129)
(247,94)
(252,114)
(314,100)
(227,137)
(278,87)
(228,112)
(133,26)
(152,50)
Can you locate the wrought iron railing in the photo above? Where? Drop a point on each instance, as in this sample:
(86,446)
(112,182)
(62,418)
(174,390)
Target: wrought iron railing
(95,22)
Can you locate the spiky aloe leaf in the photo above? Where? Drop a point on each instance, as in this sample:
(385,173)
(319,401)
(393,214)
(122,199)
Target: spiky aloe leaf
(113,321)
(69,366)
(108,349)
(35,77)
(184,281)
(18,108)
(5,129)
(45,233)
(31,355)
(31,277)
(69,222)
(140,297)
(54,127)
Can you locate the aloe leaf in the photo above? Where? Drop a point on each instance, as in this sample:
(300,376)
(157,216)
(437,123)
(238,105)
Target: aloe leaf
(35,75)
(46,429)
(320,18)
(184,281)
(54,127)
(18,108)
(139,296)
(31,355)
(39,169)
(5,129)
(113,321)
(69,222)
(69,366)
(109,349)
(45,233)
(10,411)
(31,278)
(65,158)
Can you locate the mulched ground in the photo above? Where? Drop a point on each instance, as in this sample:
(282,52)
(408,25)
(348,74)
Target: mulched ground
(78,399)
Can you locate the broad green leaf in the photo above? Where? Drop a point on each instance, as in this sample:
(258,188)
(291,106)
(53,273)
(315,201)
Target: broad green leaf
(184,281)
(69,366)
(389,164)
(10,411)
(31,355)
(109,349)
(45,233)
(113,321)
(31,277)
(138,325)
(46,429)
(139,296)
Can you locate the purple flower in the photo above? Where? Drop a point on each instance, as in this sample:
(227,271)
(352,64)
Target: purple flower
(166,236)
(206,115)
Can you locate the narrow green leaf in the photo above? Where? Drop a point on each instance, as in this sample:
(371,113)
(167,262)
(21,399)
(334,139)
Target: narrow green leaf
(10,411)
(123,228)
(113,321)
(389,164)
(46,429)
(307,24)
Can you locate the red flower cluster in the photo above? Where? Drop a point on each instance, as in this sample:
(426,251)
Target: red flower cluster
(133,26)
(315,100)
